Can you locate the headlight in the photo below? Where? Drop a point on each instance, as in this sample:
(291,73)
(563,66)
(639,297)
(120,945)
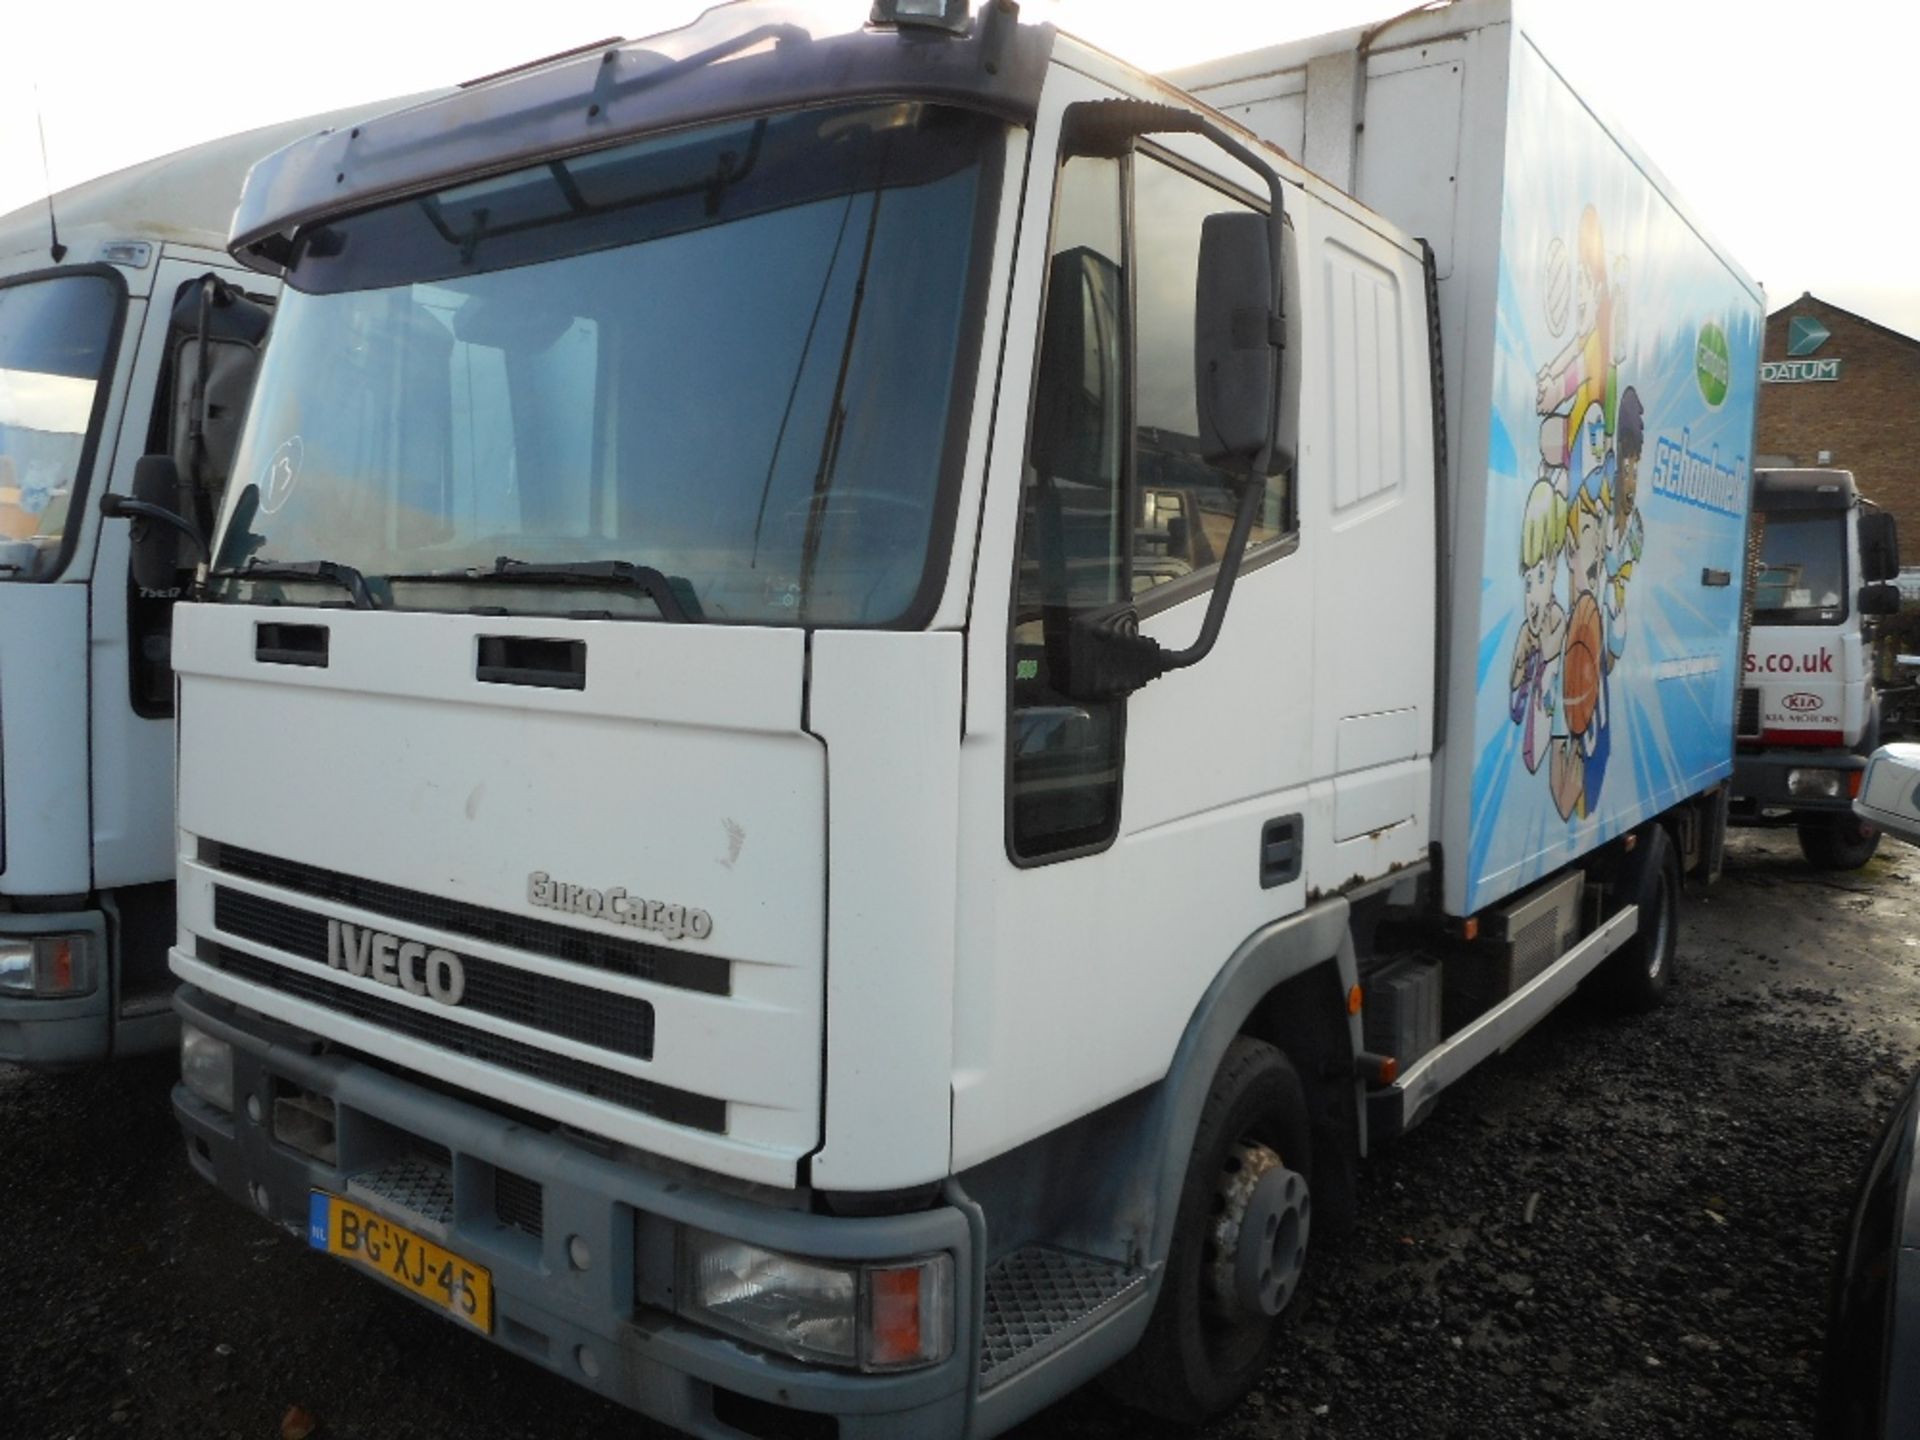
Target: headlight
(870,1317)
(49,966)
(1816,784)
(206,1067)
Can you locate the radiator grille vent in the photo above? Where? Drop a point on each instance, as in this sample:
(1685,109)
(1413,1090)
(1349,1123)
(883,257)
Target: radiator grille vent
(680,1107)
(579,1012)
(1749,727)
(517,1202)
(708,974)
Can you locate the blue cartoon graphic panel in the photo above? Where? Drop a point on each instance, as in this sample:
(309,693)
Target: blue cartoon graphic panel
(1623,409)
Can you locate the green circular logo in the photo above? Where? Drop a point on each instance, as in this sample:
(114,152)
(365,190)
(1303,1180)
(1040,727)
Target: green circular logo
(1712,364)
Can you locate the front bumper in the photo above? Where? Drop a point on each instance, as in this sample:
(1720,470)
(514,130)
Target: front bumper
(604,1327)
(1760,785)
(50,1031)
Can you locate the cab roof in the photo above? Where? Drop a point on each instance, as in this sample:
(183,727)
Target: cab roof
(187,196)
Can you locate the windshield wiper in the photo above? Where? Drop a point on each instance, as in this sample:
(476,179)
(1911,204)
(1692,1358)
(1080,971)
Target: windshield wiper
(671,594)
(331,572)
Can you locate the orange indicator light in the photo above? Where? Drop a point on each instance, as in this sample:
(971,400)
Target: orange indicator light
(896,1316)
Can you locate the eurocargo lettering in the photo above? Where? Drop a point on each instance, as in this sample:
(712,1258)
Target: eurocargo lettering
(1012,457)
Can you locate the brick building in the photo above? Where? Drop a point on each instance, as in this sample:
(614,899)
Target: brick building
(1837,389)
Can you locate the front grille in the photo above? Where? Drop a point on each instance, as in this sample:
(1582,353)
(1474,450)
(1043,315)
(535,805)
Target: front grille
(701,1112)
(708,974)
(517,1202)
(1749,726)
(578,1012)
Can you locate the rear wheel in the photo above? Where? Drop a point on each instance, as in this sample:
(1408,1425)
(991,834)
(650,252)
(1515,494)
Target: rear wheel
(1240,1243)
(1838,842)
(1638,974)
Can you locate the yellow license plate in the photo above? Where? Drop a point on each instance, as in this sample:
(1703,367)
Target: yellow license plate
(413,1262)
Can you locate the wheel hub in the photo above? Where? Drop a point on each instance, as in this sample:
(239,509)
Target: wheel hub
(1259,1235)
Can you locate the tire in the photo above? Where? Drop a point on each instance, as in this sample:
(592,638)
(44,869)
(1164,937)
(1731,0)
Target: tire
(1638,975)
(1838,842)
(1199,1356)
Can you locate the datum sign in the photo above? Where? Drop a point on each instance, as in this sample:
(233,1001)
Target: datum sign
(1794,372)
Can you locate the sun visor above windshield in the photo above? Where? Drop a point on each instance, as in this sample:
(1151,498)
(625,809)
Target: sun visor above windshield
(1776,491)
(749,58)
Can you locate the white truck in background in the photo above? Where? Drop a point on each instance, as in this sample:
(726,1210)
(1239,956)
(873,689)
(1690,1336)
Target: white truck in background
(1810,701)
(872,696)
(125,328)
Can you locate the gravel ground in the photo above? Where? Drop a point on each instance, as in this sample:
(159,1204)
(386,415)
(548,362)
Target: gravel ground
(1621,1228)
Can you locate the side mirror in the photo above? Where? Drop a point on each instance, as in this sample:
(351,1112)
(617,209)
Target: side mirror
(1881,599)
(1236,357)
(1879,546)
(157,522)
(1239,332)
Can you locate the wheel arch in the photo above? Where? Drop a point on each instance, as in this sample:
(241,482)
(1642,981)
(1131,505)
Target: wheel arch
(1285,984)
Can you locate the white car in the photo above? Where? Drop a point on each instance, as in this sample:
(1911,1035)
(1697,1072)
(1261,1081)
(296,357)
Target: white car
(1890,791)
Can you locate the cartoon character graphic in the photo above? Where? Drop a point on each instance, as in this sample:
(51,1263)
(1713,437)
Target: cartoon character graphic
(1582,736)
(1535,680)
(1626,536)
(1582,513)
(1583,372)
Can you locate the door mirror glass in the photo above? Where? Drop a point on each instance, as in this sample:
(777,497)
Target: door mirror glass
(1879,546)
(1234,359)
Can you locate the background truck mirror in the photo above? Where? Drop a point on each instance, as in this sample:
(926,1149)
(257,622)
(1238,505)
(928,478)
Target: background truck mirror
(1235,355)
(1880,599)
(158,524)
(1879,546)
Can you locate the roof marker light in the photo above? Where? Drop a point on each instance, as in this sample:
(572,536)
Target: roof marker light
(936,14)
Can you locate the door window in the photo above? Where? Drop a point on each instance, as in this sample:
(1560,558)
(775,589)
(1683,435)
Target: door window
(1117,499)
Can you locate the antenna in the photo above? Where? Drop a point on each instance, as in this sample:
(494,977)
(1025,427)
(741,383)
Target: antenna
(56,249)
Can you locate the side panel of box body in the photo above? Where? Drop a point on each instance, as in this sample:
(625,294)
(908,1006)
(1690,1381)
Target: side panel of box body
(1570,279)
(1600,501)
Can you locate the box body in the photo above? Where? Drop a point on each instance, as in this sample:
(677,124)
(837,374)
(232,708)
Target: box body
(1600,369)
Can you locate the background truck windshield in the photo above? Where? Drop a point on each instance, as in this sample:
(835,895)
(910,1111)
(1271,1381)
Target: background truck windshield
(1803,570)
(731,354)
(55,337)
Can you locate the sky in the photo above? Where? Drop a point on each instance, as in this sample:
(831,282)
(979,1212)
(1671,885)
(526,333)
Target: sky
(1784,124)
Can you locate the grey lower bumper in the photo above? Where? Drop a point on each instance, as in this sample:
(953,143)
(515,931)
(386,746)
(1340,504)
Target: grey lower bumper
(603,1326)
(50,1031)
(1760,784)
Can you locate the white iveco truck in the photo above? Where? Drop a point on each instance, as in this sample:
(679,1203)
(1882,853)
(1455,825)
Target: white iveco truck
(125,329)
(1810,704)
(870,698)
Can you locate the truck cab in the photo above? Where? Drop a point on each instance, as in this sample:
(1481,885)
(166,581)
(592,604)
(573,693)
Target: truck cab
(868,699)
(1809,705)
(125,329)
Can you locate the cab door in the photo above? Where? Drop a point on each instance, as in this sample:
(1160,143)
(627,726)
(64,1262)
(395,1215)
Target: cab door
(1113,850)
(132,680)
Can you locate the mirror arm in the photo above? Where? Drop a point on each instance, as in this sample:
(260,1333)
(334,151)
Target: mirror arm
(1250,499)
(120,507)
(1107,658)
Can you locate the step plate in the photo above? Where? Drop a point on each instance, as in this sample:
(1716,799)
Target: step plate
(1038,1298)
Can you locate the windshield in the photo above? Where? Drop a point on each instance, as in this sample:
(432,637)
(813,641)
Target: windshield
(55,338)
(726,358)
(1803,570)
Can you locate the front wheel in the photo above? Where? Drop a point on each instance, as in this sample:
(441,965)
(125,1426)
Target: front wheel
(1240,1243)
(1638,974)
(1838,842)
